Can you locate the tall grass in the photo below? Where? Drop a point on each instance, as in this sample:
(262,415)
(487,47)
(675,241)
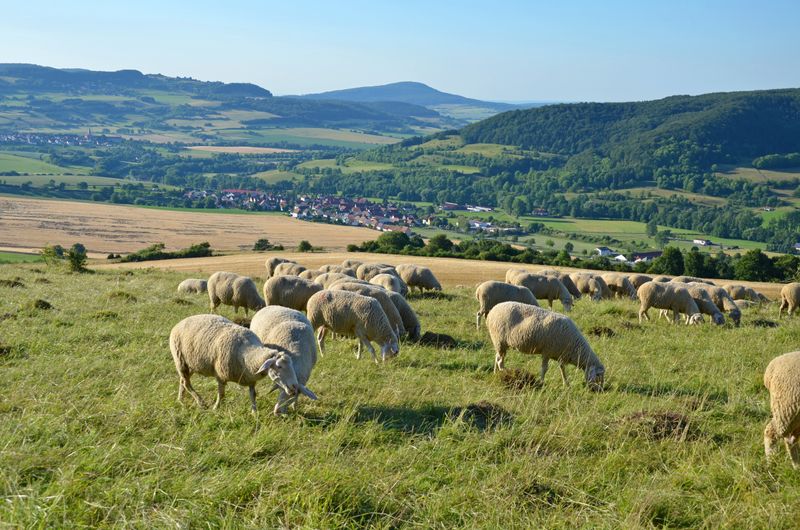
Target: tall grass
(92,435)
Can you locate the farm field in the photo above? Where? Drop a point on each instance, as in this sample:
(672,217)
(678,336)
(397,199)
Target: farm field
(71,181)
(108,228)
(240,149)
(432,438)
(752,174)
(29,164)
(350,166)
(276,175)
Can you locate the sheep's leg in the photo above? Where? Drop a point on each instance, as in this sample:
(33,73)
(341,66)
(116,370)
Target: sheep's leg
(545,363)
(321,340)
(550,302)
(794,450)
(180,389)
(253,407)
(478,321)
(499,358)
(362,339)
(358,351)
(643,313)
(770,440)
(187,384)
(220,393)
(675,316)
(563,373)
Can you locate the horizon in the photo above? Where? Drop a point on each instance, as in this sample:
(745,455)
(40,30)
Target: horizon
(620,51)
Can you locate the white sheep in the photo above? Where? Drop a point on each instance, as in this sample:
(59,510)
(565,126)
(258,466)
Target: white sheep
(705,302)
(390,282)
(291,333)
(620,285)
(379,294)
(231,289)
(351,263)
(723,301)
(326,279)
(273,262)
(338,268)
(491,293)
(367,271)
(407,314)
(534,330)
(353,315)
(691,279)
(743,292)
(544,288)
(193,285)
(671,296)
(790,298)
(565,279)
(637,280)
(289,291)
(782,379)
(213,346)
(310,274)
(591,284)
(288,269)
(418,277)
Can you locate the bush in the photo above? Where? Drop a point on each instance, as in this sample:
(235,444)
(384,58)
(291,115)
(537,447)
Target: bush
(263,244)
(304,246)
(76,258)
(157,252)
(52,253)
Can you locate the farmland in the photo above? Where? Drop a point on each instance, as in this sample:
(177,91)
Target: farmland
(430,439)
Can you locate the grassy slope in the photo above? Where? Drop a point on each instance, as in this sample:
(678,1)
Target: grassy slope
(28,164)
(92,434)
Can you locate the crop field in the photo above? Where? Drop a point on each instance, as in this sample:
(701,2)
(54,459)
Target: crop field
(350,166)
(240,149)
(93,435)
(752,174)
(18,257)
(71,181)
(114,228)
(276,175)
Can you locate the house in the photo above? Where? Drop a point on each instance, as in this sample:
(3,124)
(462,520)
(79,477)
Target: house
(645,256)
(797,247)
(621,258)
(604,251)
(451,206)
(702,242)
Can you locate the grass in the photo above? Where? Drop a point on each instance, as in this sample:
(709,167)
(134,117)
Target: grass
(19,257)
(93,435)
(352,165)
(276,175)
(27,164)
(752,174)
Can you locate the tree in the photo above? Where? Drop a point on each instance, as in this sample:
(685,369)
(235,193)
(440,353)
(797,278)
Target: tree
(670,262)
(76,258)
(304,246)
(569,247)
(663,237)
(52,253)
(439,243)
(262,244)
(550,243)
(754,266)
(652,227)
(694,263)
(393,242)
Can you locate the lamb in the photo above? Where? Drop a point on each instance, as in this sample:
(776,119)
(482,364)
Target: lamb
(491,293)
(544,288)
(289,291)
(637,280)
(390,282)
(213,346)
(790,298)
(531,330)
(271,263)
(289,332)
(338,268)
(367,271)
(420,277)
(782,379)
(407,314)
(620,285)
(327,279)
(668,296)
(591,284)
(723,301)
(310,274)
(352,314)
(193,285)
(565,279)
(231,289)
(379,294)
(288,269)
(742,292)
(691,279)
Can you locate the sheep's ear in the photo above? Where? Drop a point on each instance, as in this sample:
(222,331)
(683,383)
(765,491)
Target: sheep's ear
(269,363)
(307,392)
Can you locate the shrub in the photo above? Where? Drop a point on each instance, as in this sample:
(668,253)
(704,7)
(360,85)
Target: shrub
(76,258)
(304,246)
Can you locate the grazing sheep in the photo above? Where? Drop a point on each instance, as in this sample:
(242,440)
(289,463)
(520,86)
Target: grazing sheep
(327,279)
(513,273)
(591,284)
(407,314)
(491,293)
(661,279)
(705,302)
(348,279)
(742,292)
(288,269)
(390,282)
(193,285)
(790,298)
(637,280)
(379,294)
(229,288)
(544,288)
(351,263)
(723,301)
(745,304)
(213,346)
(289,291)
(338,268)
(289,332)
(533,330)
(782,379)
(352,315)
(691,279)
(273,262)
(310,274)
(668,296)
(620,285)
(367,271)
(420,277)
(565,279)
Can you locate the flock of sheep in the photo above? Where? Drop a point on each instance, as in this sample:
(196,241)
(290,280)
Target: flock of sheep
(367,301)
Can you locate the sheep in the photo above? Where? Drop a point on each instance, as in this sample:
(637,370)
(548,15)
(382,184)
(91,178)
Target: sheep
(407,314)
(288,269)
(591,284)
(231,289)
(290,332)
(213,346)
(193,285)
(620,285)
(491,293)
(273,262)
(565,279)
(352,314)
(310,274)
(289,291)
(742,292)
(366,271)
(723,301)
(326,279)
(745,304)
(544,288)
(782,379)
(637,280)
(513,273)
(704,302)
(661,279)
(379,294)
(790,298)
(691,279)
(668,296)
(390,282)
(338,268)
(351,263)
(532,330)
(420,277)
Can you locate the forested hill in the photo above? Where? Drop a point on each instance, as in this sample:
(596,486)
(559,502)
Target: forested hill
(721,127)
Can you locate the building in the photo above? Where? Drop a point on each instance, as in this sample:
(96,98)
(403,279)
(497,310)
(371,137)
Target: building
(605,251)
(702,242)
(645,256)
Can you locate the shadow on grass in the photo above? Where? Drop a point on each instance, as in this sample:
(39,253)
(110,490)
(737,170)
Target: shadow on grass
(428,419)
(454,366)
(445,342)
(671,390)
(431,295)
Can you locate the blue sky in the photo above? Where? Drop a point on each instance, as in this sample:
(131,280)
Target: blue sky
(500,50)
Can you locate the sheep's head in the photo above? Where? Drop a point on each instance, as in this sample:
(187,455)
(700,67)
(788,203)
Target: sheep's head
(280,370)
(718,319)
(595,378)
(736,316)
(696,318)
(390,349)
(567,304)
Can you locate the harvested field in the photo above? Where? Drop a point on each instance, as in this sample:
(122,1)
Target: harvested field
(239,149)
(33,223)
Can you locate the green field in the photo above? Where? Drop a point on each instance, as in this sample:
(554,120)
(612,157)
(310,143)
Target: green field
(351,165)
(32,164)
(93,435)
(276,175)
(752,174)
(18,257)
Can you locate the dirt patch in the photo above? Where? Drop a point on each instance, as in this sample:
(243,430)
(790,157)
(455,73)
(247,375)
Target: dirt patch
(541,493)
(5,349)
(661,425)
(41,280)
(438,340)
(518,379)
(11,283)
(7,316)
(630,325)
(241,320)
(122,295)
(105,315)
(482,415)
(44,305)
(602,331)
(763,323)
(181,301)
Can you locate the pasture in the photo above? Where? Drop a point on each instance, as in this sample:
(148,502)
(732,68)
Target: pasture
(32,164)
(93,435)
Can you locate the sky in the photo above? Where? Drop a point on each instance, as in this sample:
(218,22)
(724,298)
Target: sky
(567,50)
